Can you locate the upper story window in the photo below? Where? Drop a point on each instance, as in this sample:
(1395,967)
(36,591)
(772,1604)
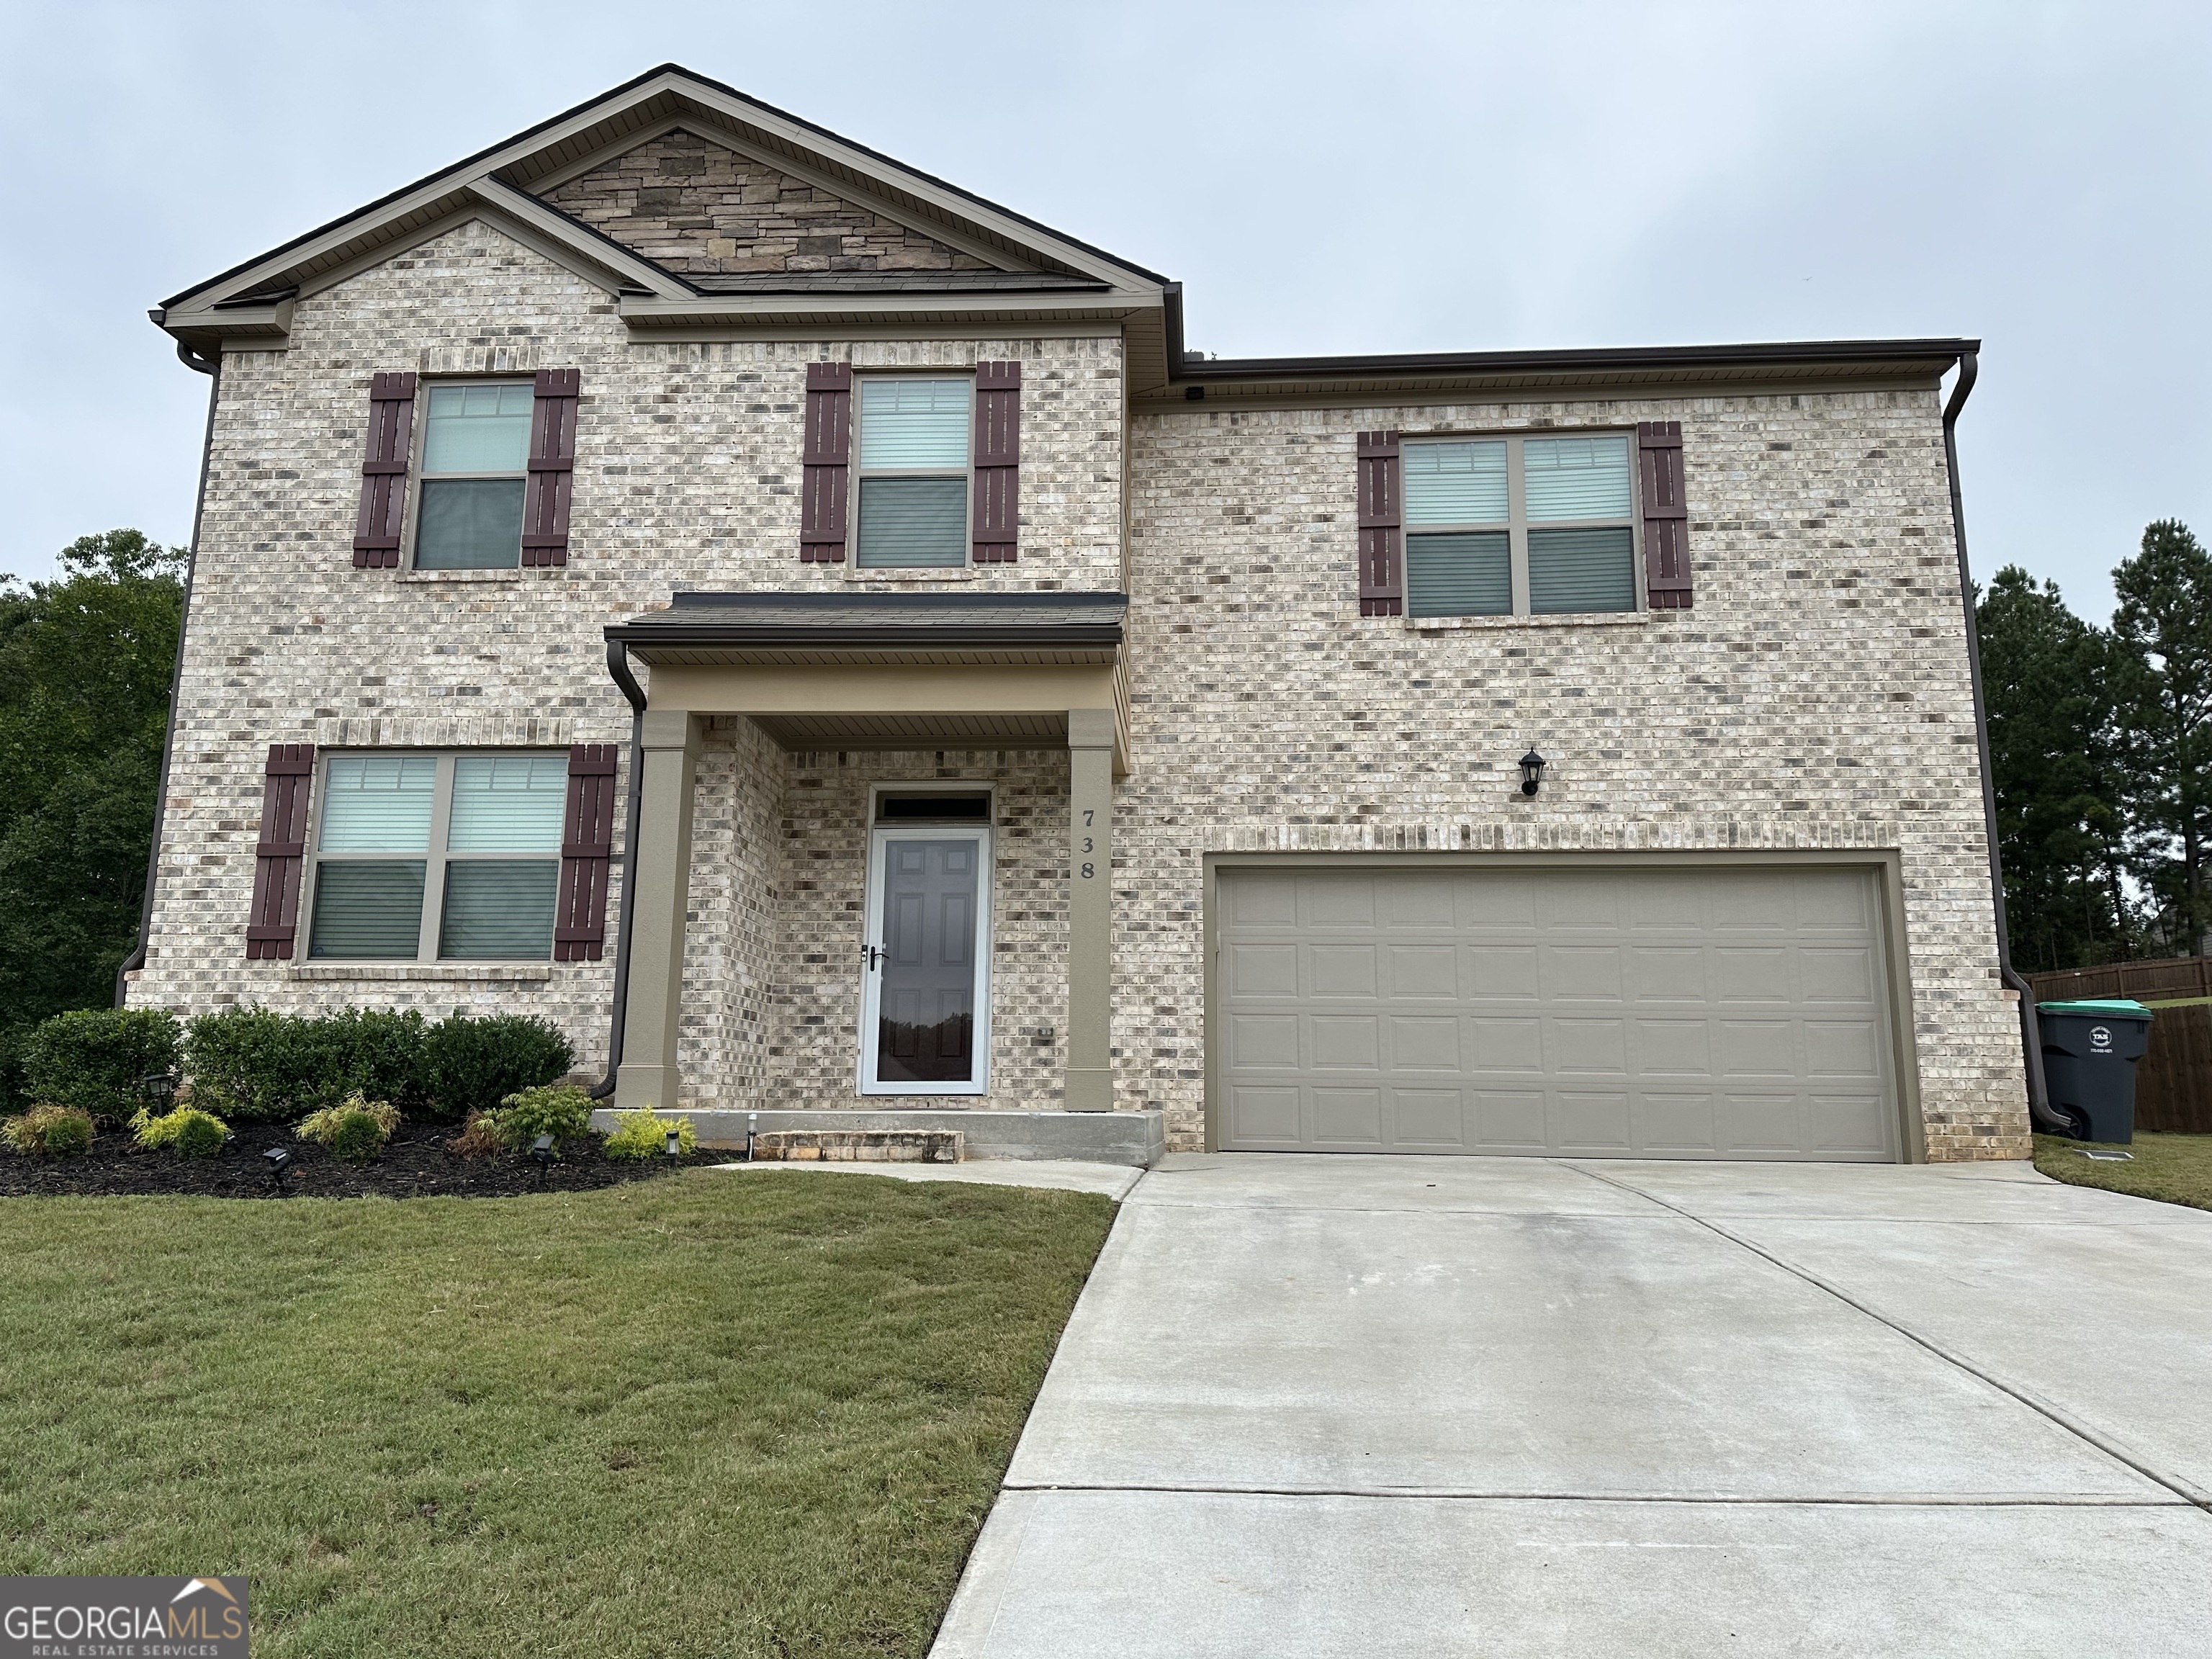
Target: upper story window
(476,458)
(1520,525)
(437,857)
(913,480)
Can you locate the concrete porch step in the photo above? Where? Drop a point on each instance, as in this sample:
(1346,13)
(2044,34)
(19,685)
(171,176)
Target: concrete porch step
(1135,1139)
(857,1146)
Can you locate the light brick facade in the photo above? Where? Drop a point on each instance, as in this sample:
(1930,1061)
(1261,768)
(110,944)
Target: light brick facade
(1816,696)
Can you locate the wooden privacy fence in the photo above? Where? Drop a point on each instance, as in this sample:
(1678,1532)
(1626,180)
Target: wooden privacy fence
(2173,1080)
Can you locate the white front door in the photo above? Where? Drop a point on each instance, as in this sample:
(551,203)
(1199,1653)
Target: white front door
(925,998)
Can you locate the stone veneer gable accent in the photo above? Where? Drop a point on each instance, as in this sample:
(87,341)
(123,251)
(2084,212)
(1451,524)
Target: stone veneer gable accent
(696,207)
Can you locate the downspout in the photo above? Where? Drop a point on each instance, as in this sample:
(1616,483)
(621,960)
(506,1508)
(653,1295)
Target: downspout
(618,666)
(212,367)
(2040,1111)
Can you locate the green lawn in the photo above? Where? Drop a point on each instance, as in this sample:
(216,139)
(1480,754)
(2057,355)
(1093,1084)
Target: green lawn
(716,1414)
(2173,1168)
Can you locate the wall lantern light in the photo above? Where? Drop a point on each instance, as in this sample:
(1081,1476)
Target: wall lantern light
(1532,772)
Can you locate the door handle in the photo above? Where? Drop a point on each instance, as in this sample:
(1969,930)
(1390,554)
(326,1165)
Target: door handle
(872,957)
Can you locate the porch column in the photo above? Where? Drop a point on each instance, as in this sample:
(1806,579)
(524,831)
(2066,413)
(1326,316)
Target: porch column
(658,880)
(1090,915)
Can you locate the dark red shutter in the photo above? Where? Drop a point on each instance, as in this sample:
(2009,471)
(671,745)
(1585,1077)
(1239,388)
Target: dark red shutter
(829,453)
(998,462)
(1666,516)
(384,473)
(587,849)
(1381,588)
(288,784)
(552,466)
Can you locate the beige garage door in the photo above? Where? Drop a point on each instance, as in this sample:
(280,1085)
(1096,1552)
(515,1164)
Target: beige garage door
(1629,1012)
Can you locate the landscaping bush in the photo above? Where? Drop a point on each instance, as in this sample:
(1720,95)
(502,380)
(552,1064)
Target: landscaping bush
(358,1136)
(95,1058)
(259,1066)
(479,1140)
(188,1131)
(644,1135)
(322,1126)
(474,1065)
(49,1131)
(561,1112)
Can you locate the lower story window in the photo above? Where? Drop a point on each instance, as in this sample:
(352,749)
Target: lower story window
(430,857)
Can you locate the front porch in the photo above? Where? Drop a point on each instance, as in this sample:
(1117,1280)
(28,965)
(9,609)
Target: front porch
(804,761)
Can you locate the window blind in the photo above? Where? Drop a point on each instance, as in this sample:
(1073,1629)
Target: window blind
(1581,570)
(477,428)
(495,909)
(1454,484)
(1576,477)
(368,910)
(1470,575)
(509,803)
(378,804)
(907,425)
(914,522)
(469,524)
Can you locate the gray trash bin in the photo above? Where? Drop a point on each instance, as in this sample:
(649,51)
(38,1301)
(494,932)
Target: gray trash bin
(2089,1055)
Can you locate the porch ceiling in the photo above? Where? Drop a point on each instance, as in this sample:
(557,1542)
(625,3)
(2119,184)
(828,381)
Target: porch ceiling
(817,732)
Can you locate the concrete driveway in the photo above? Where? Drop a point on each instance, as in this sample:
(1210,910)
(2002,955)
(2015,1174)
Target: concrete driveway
(1365,1406)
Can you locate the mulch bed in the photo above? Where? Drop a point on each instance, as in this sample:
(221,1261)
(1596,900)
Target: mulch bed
(414,1165)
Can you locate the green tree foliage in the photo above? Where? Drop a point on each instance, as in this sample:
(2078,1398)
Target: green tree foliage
(2162,691)
(2048,676)
(85,662)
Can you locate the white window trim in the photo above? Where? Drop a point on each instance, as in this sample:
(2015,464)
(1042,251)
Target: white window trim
(1518,526)
(966,473)
(416,475)
(434,858)
(872,926)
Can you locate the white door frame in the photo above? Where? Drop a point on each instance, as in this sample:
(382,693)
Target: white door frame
(871,978)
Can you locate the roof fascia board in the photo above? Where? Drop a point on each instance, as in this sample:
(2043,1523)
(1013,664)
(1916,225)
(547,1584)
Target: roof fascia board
(949,328)
(552,223)
(1756,355)
(952,203)
(1503,398)
(732,308)
(842,189)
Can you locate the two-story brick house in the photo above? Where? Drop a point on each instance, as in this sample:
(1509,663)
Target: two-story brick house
(685,574)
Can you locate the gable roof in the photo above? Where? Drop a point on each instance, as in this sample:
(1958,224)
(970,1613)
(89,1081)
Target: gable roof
(1037,273)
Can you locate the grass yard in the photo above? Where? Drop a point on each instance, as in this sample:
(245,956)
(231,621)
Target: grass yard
(716,1414)
(2172,1169)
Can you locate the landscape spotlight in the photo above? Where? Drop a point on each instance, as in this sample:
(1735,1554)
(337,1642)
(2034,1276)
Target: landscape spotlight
(542,1150)
(675,1144)
(279,1160)
(1532,771)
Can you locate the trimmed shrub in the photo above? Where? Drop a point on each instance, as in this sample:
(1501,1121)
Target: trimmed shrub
(564,1112)
(49,1131)
(473,1065)
(95,1058)
(259,1065)
(644,1134)
(479,1140)
(321,1127)
(188,1131)
(358,1135)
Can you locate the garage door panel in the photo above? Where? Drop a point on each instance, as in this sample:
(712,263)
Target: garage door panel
(1424,1043)
(1678,1124)
(1422,971)
(1340,1041)
(1582,972)
(1265,1114)
(1429,1120)
(1507,1045)
(1647,1011)
(1503,973)
(1348,1118)
(1511,1120)
(1586,1047)
(1261,970)
(1342,970)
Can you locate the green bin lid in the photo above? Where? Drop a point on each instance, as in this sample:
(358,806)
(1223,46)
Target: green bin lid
(2120,1008)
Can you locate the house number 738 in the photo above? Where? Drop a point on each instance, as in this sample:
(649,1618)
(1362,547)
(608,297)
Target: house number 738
(1088,871)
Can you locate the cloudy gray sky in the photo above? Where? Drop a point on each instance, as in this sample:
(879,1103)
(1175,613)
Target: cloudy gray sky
(1322,178)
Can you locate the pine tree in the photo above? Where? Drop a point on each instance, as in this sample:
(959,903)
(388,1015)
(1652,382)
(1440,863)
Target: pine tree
(2162,632)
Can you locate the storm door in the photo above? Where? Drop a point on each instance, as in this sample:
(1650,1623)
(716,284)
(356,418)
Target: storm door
(925,1015)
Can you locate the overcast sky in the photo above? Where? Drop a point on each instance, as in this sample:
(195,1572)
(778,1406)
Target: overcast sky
(1328,178)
